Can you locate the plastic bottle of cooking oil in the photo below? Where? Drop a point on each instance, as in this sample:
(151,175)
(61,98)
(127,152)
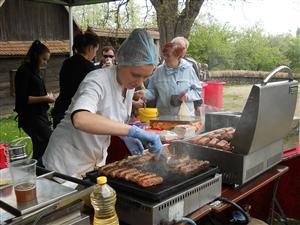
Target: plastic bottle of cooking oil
(103,199)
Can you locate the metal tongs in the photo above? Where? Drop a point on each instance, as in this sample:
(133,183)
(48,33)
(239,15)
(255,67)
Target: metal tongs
(168,156)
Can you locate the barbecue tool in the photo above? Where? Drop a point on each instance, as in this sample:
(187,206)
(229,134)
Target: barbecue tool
(168,153)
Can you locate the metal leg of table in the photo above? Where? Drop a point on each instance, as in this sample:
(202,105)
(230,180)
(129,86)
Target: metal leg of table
(275,203)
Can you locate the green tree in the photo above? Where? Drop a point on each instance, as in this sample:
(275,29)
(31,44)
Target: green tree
(212,44)
(253,51)
(293,53)
(92,15)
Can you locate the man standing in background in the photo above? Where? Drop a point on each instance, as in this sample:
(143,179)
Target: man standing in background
(108,54)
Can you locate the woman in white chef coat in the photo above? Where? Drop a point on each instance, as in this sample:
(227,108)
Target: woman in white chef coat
(100,108)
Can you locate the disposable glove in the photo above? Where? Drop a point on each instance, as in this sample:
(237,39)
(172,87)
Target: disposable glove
(151,140)
(175,100)
(134,145)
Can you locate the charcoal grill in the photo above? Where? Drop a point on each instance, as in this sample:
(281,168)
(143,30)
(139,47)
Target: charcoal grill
(258,139)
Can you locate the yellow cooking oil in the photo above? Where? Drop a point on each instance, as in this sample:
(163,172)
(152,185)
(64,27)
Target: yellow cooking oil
(103,199)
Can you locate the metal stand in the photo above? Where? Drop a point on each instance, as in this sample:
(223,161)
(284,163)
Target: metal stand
(275,203)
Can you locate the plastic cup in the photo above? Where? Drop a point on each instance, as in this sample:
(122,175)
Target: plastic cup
(23,174)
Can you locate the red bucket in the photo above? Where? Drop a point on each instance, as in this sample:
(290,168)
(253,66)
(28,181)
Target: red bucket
(3,155)
(213,93)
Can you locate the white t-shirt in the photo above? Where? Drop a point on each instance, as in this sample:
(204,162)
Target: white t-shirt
(74,152)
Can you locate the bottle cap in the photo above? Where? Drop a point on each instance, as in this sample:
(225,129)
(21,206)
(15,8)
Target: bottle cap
(101,180)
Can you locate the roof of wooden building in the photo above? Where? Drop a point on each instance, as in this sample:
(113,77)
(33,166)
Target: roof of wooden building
(58,47)
(20,48)
(121,33)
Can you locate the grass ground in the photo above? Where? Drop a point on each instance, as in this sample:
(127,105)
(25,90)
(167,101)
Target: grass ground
(235,97)
(9,132)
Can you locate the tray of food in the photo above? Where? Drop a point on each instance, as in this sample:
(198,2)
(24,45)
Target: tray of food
(154,179)
(170,122)
(219,139)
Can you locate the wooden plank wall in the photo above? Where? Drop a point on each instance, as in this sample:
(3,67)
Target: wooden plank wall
(51,78)
(22,20)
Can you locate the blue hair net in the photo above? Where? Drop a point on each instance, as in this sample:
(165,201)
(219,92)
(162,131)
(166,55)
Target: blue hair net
(138,49)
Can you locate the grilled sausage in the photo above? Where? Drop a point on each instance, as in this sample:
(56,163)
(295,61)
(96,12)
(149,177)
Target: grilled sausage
(222,144)
(151,181)
(213,142)
(203,141)
(195,139)
(123,173)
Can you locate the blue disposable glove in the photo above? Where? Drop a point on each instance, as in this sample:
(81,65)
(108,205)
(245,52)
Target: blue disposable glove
(134,145)
(151,140)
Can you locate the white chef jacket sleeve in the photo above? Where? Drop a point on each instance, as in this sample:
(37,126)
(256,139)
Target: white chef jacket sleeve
(88,96)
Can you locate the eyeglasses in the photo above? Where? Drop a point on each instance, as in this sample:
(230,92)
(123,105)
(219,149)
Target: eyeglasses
(108,56)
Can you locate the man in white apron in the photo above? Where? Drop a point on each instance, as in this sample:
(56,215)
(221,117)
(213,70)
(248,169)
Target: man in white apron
(100,108)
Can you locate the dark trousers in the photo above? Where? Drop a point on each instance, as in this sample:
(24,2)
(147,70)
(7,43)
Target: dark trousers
(38,127)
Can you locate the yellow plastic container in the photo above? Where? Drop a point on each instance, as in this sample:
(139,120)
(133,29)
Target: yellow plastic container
(147,113)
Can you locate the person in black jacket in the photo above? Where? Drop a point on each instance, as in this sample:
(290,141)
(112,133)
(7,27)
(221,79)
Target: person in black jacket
(73,71)
(32,99)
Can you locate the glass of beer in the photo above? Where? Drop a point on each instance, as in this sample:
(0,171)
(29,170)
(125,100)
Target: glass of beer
(23,174)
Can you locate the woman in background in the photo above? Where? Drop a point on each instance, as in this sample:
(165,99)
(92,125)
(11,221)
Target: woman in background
(32,98)
(73,71)
(173,82)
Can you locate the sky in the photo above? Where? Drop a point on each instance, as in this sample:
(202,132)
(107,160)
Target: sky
(274,16)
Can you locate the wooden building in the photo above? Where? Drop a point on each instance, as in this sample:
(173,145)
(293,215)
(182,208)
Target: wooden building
(22,22)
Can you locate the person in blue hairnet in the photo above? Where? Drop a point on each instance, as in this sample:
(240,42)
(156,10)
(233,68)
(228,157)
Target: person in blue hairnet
(100,108)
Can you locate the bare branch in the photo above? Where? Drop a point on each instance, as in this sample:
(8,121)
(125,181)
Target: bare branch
(148,9)
(106,17)
(123,2)
(127,13)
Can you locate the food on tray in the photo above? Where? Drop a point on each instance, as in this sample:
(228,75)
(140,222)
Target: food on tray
(142,178)
(223,144)
(131,169)
(134,168)
(187,165)
(169,125)
(185,131)
(219,139)
(167,135)
(213,142)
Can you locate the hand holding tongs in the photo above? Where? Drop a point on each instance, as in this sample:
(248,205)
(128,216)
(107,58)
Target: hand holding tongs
(168,152)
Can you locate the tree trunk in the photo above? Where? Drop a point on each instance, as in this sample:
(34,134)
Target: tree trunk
(172,23)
